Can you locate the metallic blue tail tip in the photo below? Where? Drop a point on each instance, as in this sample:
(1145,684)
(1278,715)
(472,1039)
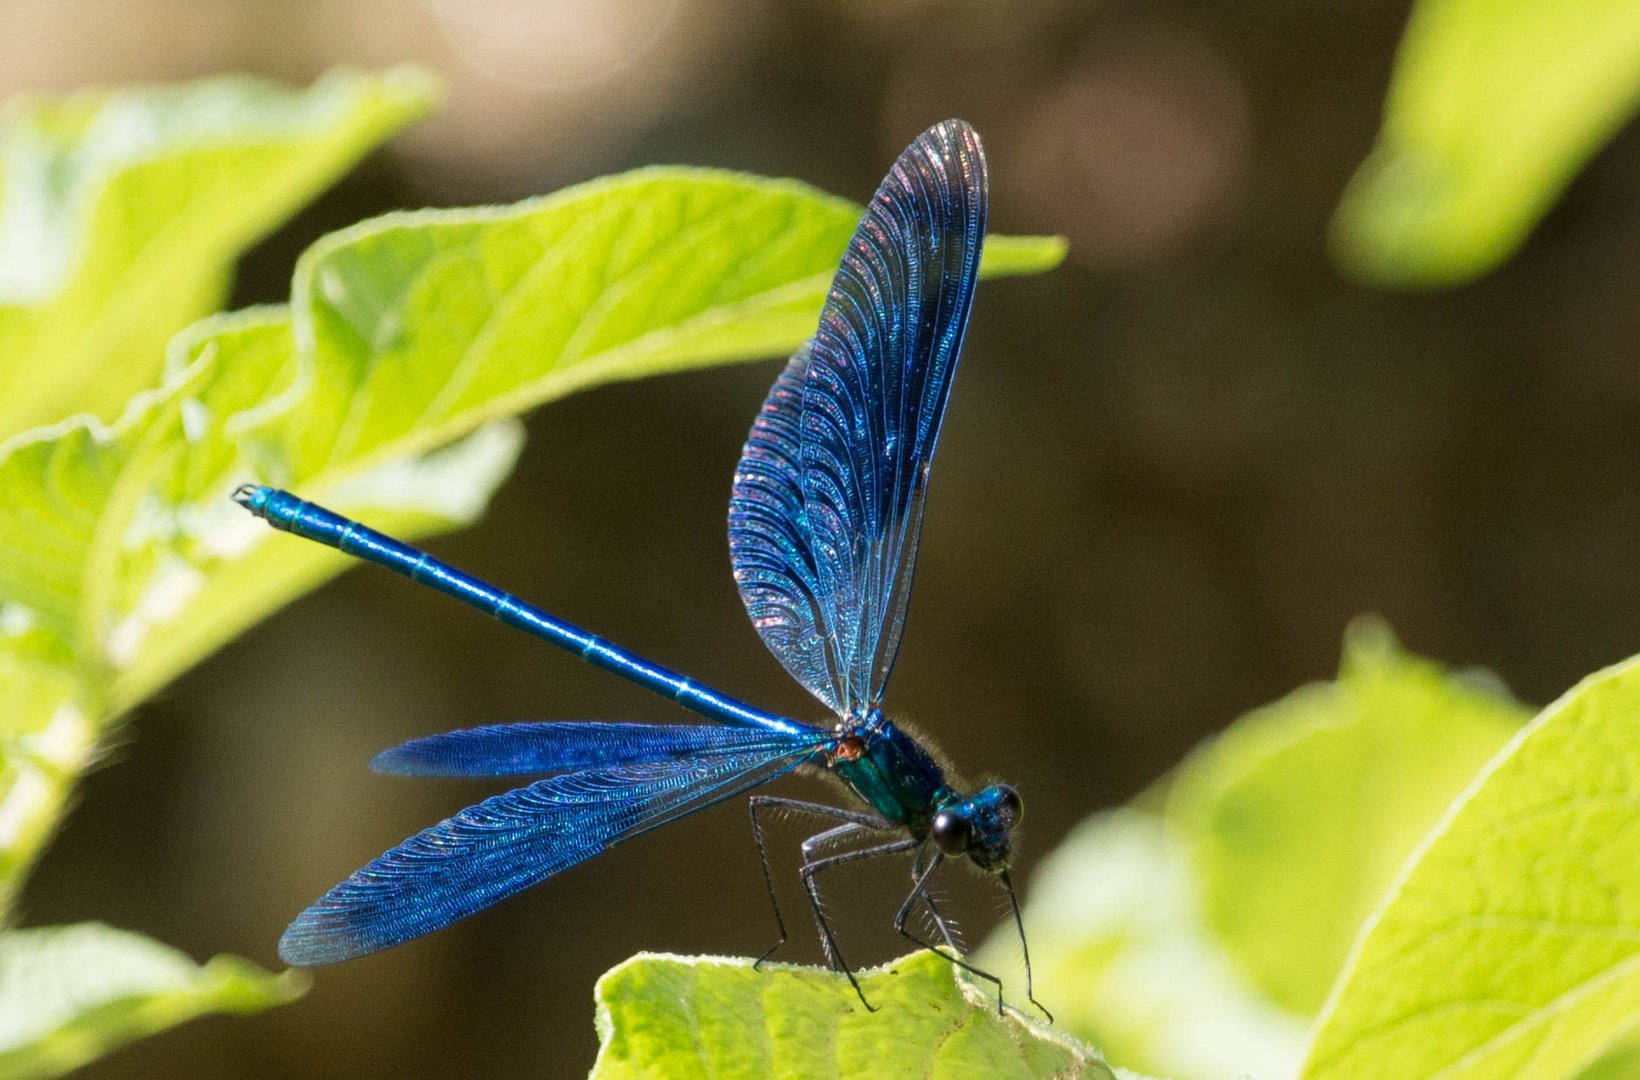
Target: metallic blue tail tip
(253,497)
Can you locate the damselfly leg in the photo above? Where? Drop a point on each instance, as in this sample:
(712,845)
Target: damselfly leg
(763,803)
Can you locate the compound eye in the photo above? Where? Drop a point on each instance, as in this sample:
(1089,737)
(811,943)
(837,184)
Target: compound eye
(1013,808)
(951,832)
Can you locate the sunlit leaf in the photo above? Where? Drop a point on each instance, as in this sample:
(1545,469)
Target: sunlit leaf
(1121,955)
(1298,817)
(1198,936)
(673,1018)
(69,994)
(121,213)
(1492,109)
(473,314)
(1511,944)
(47,738)
(1621,1062)
(122,559)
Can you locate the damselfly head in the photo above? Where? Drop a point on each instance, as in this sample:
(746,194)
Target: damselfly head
(980,827)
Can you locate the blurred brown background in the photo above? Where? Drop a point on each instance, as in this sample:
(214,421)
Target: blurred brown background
(1172,471)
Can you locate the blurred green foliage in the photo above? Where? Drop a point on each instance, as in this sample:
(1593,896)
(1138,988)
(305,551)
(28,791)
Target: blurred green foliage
(1462,886)
(1367,763)
(386,387)
(1492,109)
(1121,954)
(121,213)
(69,994)
(1511,944)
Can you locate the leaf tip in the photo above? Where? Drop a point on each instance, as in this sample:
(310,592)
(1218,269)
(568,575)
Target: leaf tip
(1009,255)
(413,86)
(1404,222)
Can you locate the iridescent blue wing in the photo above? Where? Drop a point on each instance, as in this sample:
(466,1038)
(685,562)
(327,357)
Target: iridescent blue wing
(828,501)
(769,545)
(539,749)
(512,841)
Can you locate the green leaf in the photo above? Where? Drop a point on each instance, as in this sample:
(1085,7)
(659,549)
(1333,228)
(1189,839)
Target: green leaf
(1299,815)
(69,994)
(679,1017)
(1492,110)
(473,314)
(121,213)
(1621,1062)
(1510,946)
(47,738)
(1121,955)
(122,560)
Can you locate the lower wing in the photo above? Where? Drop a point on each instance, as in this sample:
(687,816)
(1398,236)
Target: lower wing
(540,749)
(512,841)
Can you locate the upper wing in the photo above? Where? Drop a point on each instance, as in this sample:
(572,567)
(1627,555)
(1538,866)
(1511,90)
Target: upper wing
(538,749)
(828,500)
(769,540)
(509,842)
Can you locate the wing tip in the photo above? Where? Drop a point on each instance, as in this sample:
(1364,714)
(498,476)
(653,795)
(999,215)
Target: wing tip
(430,755)
(955,135)
(955,127)
(307,945)
(396,761)
(951,157)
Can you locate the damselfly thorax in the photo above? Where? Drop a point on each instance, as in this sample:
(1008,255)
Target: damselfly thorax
(893,772)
